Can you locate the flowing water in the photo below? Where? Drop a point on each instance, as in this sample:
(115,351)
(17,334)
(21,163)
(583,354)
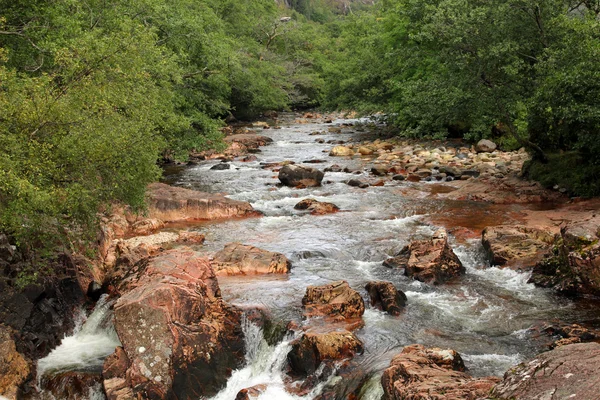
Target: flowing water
(484,315)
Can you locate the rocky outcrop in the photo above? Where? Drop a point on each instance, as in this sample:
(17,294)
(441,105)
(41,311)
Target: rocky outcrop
(337,300)
(432,373)
(317,207)
(573,266)
(431,261)
(180,338)
(300,176)
(515,246)
(570,334)
(240,259)
(14,368)
(312,349)
(386,297)
(563,373)
(170,204)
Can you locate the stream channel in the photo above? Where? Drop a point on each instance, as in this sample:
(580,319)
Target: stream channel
(485,315)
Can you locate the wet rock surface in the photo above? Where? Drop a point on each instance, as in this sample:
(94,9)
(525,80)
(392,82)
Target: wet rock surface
(169,204)
(14,367)
(336,300)
(432,373)
(317,207)
(386,297)
(180,337)
(431,261)
(563,373)
(239,259)
(300,176)
(516,246)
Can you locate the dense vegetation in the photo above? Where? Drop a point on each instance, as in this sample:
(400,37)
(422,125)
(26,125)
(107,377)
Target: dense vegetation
(93,93)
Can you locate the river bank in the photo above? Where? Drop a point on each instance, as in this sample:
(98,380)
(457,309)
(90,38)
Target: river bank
(389,194)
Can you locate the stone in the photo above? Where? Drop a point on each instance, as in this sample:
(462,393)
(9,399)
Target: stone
(358,183)
(485,146)
(432,373)
(317,207)
(312,349)
(250,393)
(341,151)
(333,168)
(386,297)
(181,339)
(220,167)
(563,373)
(240,259)
(431,261)
(514,245)
(71,385)
(300,176)
(14,368)
(248,139)
(365,151)
(337,300)
(570,334)
(399,177)
(172,204)
(379,170)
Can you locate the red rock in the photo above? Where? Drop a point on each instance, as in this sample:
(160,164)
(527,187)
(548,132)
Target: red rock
(312,349)
(431,261)
(386,297)
(249,140)
(169,204)
(14,368)
(432,373)
(317,207)
(240,259)
(180,337)
(335,300)
(563,373)
(251,392)
(71,385)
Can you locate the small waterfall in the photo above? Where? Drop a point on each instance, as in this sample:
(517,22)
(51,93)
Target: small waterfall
(85,350)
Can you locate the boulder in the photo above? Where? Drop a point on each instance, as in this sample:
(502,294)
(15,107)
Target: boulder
(312,349)
(317,207)
(240,259)
(181,339)
(365,151)
(220,167)
(71,385)
(514,245)
(300,176)
(573,266)
(485,146)
(333,168)
(358,183)
(379,170)
(337,300)
(14,368)
(432,373)
(250,393)
(570,334)
(431,261)
(249,140)
(341,151)
(563,373)
(386,297)
(171,204)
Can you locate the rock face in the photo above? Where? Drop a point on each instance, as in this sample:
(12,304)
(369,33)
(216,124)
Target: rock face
(14,368)
(485,146)
(312,349)
(431,261)
(431,373)
(317,207)
(386,297)
(300,176)
(563,373)
(170,204)
(336,299)
(515,246)
(240,259)
(180,338)
(573,267)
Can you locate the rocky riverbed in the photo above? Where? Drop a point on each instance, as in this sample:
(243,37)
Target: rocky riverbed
(316,258)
